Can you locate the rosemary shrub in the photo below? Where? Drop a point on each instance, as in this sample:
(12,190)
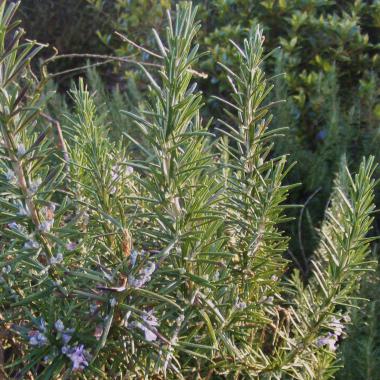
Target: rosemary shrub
(167,262)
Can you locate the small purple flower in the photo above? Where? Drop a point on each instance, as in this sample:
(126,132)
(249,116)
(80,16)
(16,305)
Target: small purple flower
(98,332)
(240,305)
(56,259)
(67,335)
(47,358)
(149,269)
(128,170)
(70,246)
(321,135)
(14,226)
(66,338)
(77,356)
(115,172)
(337,326)
(329,340)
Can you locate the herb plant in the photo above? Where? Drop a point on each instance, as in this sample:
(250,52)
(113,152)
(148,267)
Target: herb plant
(167,262)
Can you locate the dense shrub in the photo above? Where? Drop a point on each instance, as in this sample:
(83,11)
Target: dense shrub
(167,263)
(330,54)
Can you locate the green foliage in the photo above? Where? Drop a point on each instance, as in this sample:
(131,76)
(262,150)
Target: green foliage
(361,349)
(329,52)
(167,262)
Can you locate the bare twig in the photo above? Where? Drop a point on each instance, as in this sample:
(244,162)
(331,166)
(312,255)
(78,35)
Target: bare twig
(98,56)
(124,38)
(61,141)
(139,47)
(106,59)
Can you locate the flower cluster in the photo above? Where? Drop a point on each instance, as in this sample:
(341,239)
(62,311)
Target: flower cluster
(65,334)
(37,337)
(78,355)
(328,340)
(331,339)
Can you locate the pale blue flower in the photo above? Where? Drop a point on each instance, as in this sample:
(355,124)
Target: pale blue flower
(14,226)
(150,319)
(34,185)
(42,325)
(70,246)
(6,269)
(56,259)
(10,176)
(21,150)
(31,244)
(59,326)
(46,225)
(337,326)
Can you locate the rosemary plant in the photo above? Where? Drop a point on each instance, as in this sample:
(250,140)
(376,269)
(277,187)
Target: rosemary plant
(167,262)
